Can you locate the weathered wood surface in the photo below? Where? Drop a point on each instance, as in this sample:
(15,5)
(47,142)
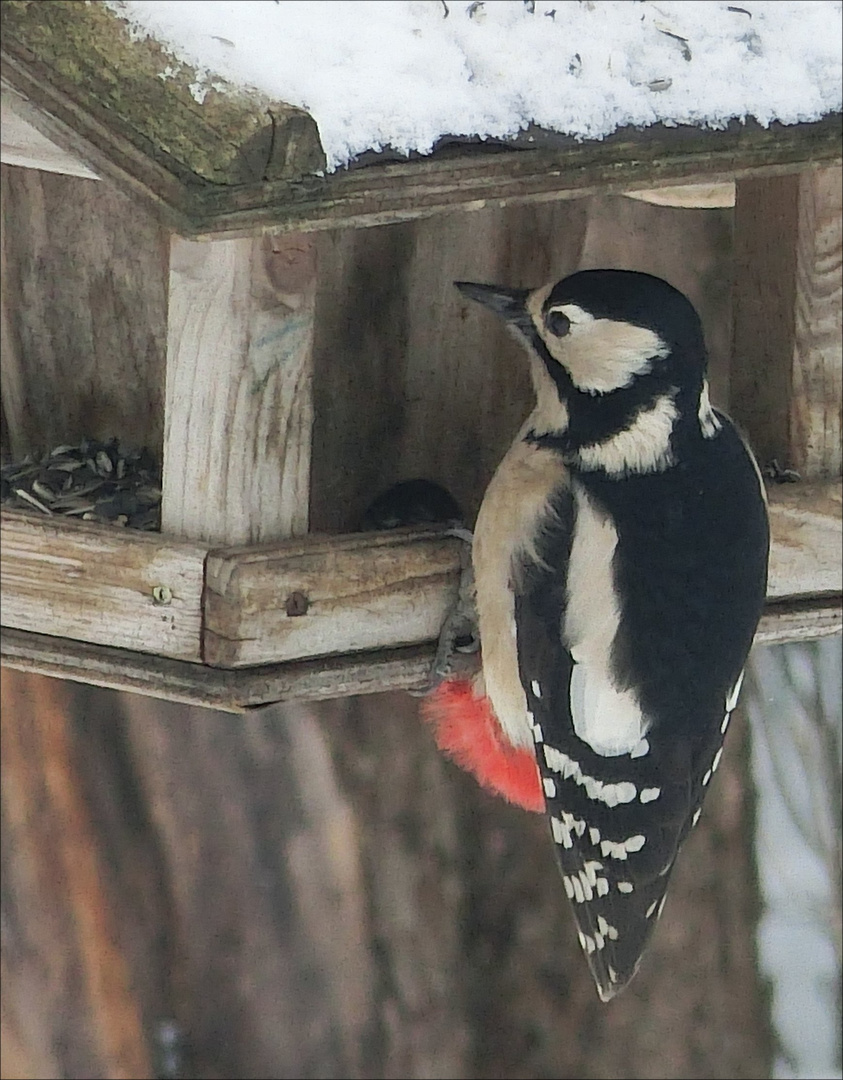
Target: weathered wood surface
(239,406)
(323,679)
(787,378)
(413,380)
(217,688)
(326,596)
(103,585)
(22,144)
(807,540)
(101,87)
(84,306)
(564,169)
(323,596)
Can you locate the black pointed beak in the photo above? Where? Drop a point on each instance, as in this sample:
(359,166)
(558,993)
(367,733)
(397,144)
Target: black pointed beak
(508,303)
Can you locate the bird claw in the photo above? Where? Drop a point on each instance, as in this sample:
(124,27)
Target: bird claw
(459,638)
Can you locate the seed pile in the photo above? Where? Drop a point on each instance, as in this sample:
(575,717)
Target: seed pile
(94,481)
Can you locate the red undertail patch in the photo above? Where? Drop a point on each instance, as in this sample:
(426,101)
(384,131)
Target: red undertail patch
(467,731)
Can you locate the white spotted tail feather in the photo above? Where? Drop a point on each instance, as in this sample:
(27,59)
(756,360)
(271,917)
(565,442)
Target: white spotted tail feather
(617,824)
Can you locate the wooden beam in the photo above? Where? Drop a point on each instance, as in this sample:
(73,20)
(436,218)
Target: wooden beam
(239,412)
(311,680)
(327,596)
(101,584)
(133,102)
(555,167)
(787,378)
(216,688)
(323,596)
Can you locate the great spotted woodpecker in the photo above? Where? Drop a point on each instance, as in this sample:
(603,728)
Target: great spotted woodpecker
(620,557)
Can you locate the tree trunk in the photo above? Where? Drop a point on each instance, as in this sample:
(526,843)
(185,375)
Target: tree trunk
(315,892)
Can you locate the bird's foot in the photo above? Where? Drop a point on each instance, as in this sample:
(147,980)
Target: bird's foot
(459,638)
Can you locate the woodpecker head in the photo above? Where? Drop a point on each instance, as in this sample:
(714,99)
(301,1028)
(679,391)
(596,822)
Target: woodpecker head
(618,363)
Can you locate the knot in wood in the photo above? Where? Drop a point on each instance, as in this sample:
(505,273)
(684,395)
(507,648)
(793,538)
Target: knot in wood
(297,604)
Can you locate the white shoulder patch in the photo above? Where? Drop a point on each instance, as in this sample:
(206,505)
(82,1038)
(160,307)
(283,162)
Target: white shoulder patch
(608,719)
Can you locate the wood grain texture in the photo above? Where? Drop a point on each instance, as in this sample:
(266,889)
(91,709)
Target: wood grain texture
(93,79)
(807,540)
(216,688)
(816,412)
(74,1009)
(84,314)
(360,593)
(95,583)
(412,379)
(327,678)
(356,593)
(22,144)
(473,178)
(239,389)
(787,373)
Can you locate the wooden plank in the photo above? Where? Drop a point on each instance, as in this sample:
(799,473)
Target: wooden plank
(561,169)
(382,590)
(216,688)
(327,596)
(22,144)
(321,596)
(98,584)
(84,303)
(787,381)
(688,196)
(800,620)
(239,389)
(236,690)
(805,522)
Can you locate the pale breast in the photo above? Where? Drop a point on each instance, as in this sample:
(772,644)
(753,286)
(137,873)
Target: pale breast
(515,502)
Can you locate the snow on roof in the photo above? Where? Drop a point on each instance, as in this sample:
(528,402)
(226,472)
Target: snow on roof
(403,73)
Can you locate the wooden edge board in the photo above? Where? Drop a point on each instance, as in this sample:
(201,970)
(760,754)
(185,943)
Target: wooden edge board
(312,680)
(559,169)
(327,595)
(806,525)
(215,688)
(132,93)
(316,596)
(102,584)
(368,591)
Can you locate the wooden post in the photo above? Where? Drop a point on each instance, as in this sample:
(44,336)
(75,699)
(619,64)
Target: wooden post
(238,413)
(786,372)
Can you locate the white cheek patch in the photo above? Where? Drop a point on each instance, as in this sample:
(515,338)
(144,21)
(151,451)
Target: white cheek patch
(602,355)
(643,447)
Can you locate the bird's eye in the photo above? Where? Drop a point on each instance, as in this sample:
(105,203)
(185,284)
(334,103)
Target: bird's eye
(558,323)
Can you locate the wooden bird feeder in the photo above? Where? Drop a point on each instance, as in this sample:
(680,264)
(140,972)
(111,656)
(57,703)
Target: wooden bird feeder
(183,277)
